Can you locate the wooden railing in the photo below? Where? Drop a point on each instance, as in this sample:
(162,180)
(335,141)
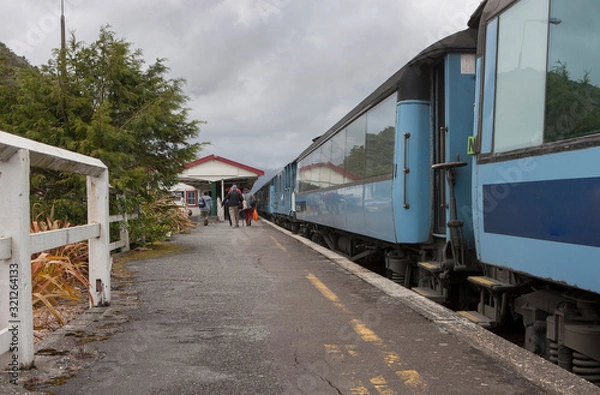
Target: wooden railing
(17,156)
(123,242)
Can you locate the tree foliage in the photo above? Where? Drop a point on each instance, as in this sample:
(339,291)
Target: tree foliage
(572,107)
(100,100)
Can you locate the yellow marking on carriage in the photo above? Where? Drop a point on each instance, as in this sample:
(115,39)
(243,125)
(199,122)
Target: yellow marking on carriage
(468,316)
(278,245)
(428,265)
(482,280)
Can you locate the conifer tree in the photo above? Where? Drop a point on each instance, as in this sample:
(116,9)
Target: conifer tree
(100,100)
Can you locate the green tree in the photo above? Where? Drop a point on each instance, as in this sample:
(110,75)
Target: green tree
(100,100)
(572,107)
(380,152)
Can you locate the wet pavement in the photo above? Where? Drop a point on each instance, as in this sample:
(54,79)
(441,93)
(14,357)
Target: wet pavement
(256,310)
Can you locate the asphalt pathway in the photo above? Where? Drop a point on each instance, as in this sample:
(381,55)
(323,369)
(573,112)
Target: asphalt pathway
(253,310)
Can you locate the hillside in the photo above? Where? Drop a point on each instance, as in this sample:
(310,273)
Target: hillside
(8,57)
(9,62)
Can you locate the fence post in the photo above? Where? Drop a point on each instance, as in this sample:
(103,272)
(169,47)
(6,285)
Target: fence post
(124,232)
(15,272)
(99,263)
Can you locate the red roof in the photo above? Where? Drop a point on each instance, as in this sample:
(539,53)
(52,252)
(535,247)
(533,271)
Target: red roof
(338,169)
(224,160)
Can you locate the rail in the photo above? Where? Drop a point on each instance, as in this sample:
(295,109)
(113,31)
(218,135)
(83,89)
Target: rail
(123,242)
(17,156)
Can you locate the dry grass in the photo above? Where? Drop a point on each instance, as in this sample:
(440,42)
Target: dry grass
(57,276)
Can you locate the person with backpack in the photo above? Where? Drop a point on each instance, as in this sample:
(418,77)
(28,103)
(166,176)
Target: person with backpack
(205,205)
(248,211)
(234,200)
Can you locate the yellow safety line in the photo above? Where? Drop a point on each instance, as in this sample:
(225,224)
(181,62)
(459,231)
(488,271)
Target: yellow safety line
(278,244)
(365,333)
(382,386)
(411,378)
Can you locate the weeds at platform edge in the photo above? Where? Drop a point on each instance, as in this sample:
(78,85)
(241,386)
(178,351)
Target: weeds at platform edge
(157,250)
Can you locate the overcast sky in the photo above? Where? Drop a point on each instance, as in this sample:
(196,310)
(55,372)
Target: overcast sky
(266,75)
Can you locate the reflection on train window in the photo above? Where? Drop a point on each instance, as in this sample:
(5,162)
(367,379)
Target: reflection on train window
(521,62)
(381,133)
(573,84)
(337,174)
(354,160)
(307,179)
(321,164)
(363,149)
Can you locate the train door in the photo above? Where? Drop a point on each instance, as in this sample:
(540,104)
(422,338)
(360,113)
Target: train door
(439,148)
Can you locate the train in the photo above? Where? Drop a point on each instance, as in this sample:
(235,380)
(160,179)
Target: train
(472,176)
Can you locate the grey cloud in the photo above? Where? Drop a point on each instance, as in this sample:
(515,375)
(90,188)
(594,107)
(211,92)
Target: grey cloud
(267,75)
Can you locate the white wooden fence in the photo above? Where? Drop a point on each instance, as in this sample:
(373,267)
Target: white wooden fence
(123,242)
(17,155)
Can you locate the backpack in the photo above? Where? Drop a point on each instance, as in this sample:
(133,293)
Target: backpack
(201,203)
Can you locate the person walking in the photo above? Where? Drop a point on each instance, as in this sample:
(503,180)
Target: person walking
(205,205)
(234,200)
(225,206)
(249,209)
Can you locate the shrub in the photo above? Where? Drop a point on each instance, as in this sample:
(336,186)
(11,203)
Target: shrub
(156,220)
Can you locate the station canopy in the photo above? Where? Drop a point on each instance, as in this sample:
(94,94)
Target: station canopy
(212,169)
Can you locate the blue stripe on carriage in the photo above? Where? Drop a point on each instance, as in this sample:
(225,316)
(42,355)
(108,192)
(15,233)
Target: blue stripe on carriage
(565,211)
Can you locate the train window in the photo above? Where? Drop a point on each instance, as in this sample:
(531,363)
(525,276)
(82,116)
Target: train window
(307,174)
(354,160)
(521,62)
(380,138)
(487,110)
(304,175)
(337,175)
(365,148)
(322,164)
(573,78)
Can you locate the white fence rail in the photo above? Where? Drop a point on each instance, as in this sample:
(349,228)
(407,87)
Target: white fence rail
(123,242)
(17,156)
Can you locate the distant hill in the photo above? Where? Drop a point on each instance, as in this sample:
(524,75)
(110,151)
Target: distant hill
(9,62)
(8,57)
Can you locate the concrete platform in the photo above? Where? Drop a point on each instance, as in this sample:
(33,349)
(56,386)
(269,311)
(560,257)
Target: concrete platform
(257,310)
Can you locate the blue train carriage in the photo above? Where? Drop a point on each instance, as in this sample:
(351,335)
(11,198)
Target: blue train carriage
(394,175)
(284,186)
(537,175)
(275,196)
(262,192)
